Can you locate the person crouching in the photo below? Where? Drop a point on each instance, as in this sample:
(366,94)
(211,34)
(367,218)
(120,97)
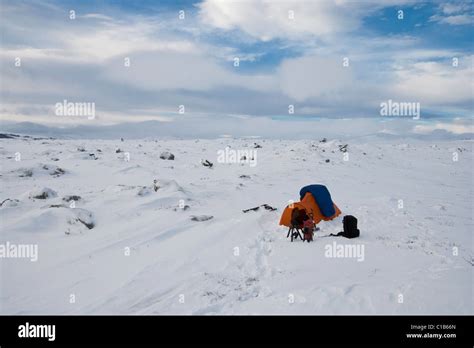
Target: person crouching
(308,229)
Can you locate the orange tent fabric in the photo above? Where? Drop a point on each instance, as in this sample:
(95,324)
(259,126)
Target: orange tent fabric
(311,207)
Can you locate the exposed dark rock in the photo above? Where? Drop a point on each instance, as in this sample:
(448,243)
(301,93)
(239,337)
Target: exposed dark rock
(266,206)
(71,198)
(13,202)
(8,136)
(167,156)
(26,173)
(89,225)
(58,206)
(186,207)
(343,148)
(206,163)
(44,193)
(201,217)
(55,171)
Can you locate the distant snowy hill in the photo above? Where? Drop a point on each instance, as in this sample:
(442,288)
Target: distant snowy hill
(209,127)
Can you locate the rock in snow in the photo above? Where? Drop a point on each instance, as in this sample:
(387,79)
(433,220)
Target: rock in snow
(206,163)
(167,155)
(40,169)
(72,198)
(44,193)
(145,191)
(201,217)
(82,216)
(9,202)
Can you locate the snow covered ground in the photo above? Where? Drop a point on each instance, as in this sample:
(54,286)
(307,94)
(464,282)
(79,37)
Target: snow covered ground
(111,239)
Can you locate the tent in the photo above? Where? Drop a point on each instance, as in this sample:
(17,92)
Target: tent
(315,202)
(322,196)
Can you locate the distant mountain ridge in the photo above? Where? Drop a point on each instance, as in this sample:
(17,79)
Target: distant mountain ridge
(208,130)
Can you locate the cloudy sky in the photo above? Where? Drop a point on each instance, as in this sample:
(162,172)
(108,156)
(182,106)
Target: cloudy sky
(330,59)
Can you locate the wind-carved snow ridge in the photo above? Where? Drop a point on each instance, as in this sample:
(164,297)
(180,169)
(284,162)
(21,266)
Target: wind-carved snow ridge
(129,232)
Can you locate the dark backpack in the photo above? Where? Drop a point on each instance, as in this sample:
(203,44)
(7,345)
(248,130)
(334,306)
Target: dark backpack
(350,227)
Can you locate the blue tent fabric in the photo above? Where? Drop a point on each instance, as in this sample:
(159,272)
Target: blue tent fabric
(322,196)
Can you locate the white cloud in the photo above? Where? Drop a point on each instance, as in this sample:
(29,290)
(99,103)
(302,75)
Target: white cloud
(101,44)
(436,83)
(97,16)
(267,20)
(450,127)
(313,76)
(458,19)
(454,13)
(45,113)
(173,71)
(450,7)
(84,59)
